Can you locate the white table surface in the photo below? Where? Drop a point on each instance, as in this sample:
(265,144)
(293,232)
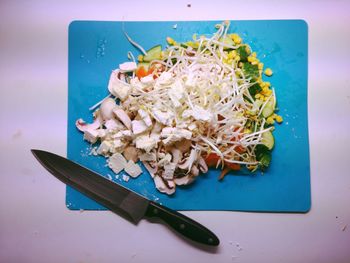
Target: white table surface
(35,225)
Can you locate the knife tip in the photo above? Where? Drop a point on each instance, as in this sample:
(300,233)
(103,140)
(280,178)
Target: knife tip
(37,153)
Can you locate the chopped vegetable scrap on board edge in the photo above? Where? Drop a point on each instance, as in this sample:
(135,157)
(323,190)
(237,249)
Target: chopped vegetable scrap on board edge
(193,105)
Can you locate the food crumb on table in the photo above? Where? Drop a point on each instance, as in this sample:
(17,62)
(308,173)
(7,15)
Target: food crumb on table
(233,257)
(344,227)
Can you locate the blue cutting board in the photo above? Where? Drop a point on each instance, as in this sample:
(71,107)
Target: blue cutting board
(98,47)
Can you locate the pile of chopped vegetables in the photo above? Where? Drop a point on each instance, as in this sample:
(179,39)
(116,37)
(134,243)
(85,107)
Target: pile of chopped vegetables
(194,105)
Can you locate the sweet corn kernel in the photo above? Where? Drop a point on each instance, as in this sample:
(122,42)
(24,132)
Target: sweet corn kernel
(270,120)
(268,72)
(268,92)
(267,84)
(237,58)
(257,96)
(236,38)
(170,41)
(255,62)
(247,130)
(253,54)
(260,65)
(140,58)
(279,119)
(232,54)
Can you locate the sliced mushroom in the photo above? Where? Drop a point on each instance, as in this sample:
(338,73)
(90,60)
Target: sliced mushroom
(164,186)
(194,170)
(202,165)
(187,164)
(177,155)
(106,108)
(187,179)
(152,168)
(83,126)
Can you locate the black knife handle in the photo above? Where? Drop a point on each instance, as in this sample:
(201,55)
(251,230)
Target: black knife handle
(182,224)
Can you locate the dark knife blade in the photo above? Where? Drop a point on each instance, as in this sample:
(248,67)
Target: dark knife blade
(119,199)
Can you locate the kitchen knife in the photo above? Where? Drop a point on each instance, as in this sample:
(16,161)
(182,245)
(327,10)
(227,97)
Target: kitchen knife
(119,199)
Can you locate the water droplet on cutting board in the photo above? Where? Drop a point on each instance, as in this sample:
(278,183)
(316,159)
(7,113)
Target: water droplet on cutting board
(101,47)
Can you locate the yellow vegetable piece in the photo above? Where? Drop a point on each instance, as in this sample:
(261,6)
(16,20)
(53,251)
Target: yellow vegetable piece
(232,54)
(268,72)
(270,120)
(170,41)
(140,58)
(236,38)
(247,49)
(279,119)
(260,65)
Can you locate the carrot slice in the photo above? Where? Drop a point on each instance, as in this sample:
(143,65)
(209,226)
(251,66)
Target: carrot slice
(233,166)
(212,160)
(141,72)
(223,173)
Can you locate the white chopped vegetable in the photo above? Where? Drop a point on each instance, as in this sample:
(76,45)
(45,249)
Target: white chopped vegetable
(145,117)
(146,143)
(117,87)
(117,162)
(128,66)
(91,135)
(113,125)
(104,147)
(138,126)
(123,117)
(132,169)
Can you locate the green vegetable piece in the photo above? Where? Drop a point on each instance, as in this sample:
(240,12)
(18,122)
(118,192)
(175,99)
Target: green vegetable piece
(254,89)
(155,53)
(242,52)
(265,161)
(251,71)
(268,140)
(269,108)
(263,155)
(228,41)
(183,45)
